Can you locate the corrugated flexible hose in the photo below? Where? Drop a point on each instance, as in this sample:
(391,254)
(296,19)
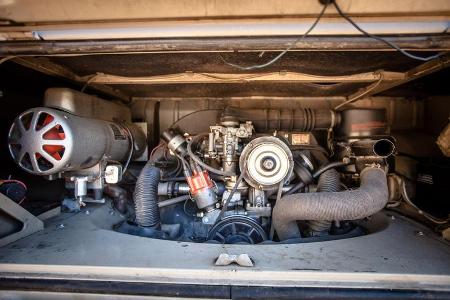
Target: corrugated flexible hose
(329,181)
(369,198)
(146,197)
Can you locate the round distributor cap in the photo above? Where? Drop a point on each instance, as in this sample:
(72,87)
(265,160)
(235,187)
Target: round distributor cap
(40,141)
(266,162)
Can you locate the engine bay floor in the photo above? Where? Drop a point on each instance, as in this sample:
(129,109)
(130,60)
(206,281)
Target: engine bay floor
(83,246)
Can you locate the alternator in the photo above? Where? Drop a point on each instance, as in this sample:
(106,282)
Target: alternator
(266,161)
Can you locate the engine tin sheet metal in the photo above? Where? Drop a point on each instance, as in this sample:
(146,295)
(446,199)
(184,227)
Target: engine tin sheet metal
(403,256)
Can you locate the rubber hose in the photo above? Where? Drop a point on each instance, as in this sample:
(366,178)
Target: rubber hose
(270,119)
(329,181)
(173,201)
(369,198)
(146,197)
(316,174)
(119,196)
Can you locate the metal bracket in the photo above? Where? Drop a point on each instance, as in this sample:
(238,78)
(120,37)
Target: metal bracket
(31,224)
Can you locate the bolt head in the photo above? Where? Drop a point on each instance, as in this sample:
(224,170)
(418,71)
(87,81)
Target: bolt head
(268,164)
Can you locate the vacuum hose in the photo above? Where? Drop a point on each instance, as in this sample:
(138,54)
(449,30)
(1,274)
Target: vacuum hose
(146,197)
(369,198)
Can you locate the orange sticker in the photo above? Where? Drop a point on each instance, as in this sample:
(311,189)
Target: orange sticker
(300,139)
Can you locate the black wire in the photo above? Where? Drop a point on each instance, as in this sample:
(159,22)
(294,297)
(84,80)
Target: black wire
(130,155)
(390,44)
(348,19)
(312,148)
(329,166)
(173,179)
(316,174)
(276,58)
(190,114)
(235,187)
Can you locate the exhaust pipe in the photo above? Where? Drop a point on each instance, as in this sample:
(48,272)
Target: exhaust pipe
(379,148)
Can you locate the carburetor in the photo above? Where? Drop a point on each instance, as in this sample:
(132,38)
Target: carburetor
(224,139)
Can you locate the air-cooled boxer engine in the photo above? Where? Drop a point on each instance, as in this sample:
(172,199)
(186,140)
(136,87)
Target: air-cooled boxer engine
(258,175)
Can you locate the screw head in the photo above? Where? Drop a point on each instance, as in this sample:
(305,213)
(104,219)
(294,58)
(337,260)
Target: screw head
(268,163)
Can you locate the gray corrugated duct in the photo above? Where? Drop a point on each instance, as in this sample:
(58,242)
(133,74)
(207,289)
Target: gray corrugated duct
(369,198)
(329,181)
(146,197)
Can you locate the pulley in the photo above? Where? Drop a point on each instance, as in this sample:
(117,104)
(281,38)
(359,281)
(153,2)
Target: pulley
(265,162)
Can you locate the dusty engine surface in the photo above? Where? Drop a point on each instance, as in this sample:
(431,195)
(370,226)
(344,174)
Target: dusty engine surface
(245,184)
(303,175)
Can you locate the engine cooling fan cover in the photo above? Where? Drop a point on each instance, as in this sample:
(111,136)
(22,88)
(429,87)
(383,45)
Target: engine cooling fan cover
(237,230)
(40,141)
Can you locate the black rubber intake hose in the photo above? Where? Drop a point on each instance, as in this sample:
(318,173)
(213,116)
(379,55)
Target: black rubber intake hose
(269,119)
(329,181)
(146,197)
(369,198)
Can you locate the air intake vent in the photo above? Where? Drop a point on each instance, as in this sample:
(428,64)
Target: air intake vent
(37,141)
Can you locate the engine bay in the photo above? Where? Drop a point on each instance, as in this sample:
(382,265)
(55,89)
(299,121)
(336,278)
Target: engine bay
(181,190)
(224,149)
(257,176)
